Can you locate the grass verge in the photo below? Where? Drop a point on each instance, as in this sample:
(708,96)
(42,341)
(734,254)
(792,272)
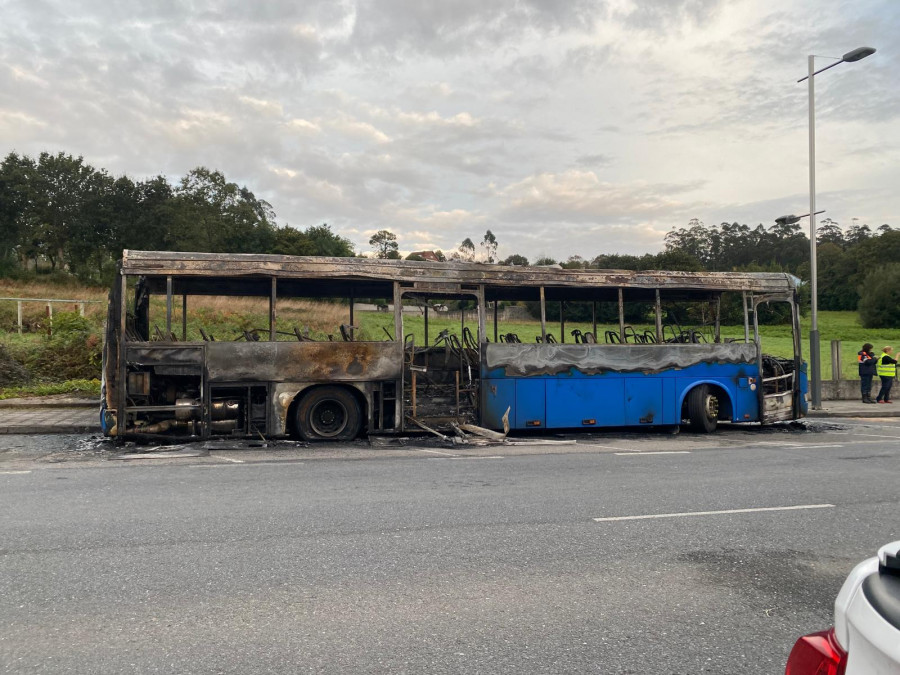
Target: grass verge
(80,388)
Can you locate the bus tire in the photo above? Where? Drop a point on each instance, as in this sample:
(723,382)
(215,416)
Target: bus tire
(702,409)
(328,414)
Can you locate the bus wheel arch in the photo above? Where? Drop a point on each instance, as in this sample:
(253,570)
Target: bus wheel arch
(327,413)
(704,405)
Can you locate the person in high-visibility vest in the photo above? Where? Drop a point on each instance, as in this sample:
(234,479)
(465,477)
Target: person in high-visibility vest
(886,367)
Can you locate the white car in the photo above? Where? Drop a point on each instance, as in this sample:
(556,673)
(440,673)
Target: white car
(865,639)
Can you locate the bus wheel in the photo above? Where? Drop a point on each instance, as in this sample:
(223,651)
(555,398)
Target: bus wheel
(702,409)
(328,414)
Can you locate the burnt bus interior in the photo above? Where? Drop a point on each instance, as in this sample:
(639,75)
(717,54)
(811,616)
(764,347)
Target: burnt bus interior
(276,380)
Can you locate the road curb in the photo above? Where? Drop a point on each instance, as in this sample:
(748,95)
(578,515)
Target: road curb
(39,403)
(30,429)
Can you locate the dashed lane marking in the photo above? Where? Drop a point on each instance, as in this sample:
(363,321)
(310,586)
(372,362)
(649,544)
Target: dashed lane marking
(486,457)
(653,452)
(13,473)
(715,513)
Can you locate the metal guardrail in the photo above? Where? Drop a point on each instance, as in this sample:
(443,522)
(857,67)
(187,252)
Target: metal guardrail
(49,302)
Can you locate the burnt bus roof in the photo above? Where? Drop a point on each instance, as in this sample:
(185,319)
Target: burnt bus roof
(308,276)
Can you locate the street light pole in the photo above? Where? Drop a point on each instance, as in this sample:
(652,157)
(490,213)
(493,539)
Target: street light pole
(814,365)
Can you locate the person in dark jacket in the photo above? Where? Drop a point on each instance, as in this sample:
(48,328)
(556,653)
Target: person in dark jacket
(886,367)
(865,358)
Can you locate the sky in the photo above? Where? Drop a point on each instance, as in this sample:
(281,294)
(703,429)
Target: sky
(565,128)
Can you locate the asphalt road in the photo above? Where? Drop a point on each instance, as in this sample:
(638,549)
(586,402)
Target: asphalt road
(435,559)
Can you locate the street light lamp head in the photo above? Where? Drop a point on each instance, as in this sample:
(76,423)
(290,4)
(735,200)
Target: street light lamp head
(788,220)
(857,54)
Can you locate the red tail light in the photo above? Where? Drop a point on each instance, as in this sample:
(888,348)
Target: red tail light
(817,654)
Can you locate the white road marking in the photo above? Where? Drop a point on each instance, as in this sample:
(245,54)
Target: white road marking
(486,457)
(716,513)
(437,452)
(608,447)
(799,446)
(228,459)
(654,452)
(221,466)
(13,473)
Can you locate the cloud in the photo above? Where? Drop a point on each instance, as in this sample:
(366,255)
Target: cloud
(579,196)
(392,29)
(588,126)
(268,108)
(668,16)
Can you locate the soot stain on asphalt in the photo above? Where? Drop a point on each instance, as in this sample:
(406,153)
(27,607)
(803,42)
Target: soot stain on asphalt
(790,579)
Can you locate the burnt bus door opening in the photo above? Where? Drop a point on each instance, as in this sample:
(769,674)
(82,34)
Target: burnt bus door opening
(779,391)
(441,380)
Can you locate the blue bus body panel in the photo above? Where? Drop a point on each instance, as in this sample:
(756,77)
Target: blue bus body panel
(804,388)
(585,402)
(643,401)
(576,399)
(530,408)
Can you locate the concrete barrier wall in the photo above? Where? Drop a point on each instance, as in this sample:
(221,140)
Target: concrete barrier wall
(846,390)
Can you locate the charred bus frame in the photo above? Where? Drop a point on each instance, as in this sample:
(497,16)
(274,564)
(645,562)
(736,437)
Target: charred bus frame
(334,390)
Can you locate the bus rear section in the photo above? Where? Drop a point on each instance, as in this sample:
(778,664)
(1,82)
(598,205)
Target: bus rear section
(698,358)
(589,385)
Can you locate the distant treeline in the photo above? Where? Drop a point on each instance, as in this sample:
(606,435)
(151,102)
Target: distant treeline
(60,213)
(857,268)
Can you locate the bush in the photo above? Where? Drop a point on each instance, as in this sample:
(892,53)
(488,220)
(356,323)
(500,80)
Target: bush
(71,353)
(12,373)
(879,303)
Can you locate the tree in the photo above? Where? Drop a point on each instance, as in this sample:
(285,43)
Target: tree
(857,234)
(291,241)
(836,268)
(17,198)
(385,244)
(575,262)
(515,259)
(830,231)
(62,183)
(489,247)
(213,214)
(616,261)
(466,251)
(879,306)
(327,243)
(674,260)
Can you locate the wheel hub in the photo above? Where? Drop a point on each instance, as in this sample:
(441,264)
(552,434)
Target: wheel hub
(328,418)
(712,407)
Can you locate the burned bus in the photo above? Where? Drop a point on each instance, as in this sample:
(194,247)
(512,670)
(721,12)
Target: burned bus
(276,380)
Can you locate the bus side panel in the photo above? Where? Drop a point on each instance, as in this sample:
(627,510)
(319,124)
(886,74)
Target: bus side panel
(497,396)
(643,400)
(531,404)
(597,400)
